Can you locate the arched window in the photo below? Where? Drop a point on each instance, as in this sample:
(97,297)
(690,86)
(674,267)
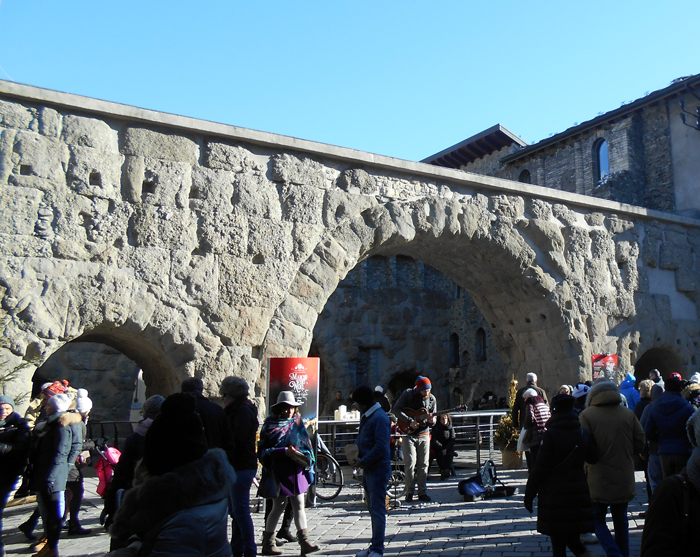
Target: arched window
(454,350)
(602,160)
(524,177)
(480,345)
(457,397)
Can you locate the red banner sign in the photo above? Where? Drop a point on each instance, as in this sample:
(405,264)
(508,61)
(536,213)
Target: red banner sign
(299,375)
(604,365)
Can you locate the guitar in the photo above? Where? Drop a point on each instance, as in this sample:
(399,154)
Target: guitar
(421,416)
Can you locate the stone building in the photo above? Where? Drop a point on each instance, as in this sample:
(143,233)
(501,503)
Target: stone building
(199,249)
(645,153)
(642,153)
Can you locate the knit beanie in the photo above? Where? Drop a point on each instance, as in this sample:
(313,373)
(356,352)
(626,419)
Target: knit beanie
(151,407)
(60,402)
(423,383)
(562,403)
(176,436)
(4,399)
(55,388)
(83,403)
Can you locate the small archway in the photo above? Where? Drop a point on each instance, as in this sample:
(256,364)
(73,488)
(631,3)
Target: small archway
(663,359)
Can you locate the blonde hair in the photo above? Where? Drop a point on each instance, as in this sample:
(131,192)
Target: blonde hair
(645,388)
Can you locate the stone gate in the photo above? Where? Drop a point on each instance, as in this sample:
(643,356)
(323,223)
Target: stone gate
(203,249)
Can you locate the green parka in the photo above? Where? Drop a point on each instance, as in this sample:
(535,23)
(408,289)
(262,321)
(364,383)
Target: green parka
(618,436)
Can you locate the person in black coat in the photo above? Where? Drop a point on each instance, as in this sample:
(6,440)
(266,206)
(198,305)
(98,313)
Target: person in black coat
(14,447)
(558,479)
(242,417)
(216,426)
(442,443)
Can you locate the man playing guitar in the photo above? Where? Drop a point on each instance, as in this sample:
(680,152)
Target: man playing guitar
(416,443)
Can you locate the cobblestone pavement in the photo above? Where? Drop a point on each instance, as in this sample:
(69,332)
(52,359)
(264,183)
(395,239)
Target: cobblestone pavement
(450,528)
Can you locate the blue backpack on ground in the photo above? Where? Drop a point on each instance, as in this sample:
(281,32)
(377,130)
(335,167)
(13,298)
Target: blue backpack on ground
(484,485)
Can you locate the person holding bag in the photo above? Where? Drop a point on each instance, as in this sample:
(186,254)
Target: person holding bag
(285,451)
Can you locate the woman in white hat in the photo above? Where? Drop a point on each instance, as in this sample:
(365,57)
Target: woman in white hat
(285,451)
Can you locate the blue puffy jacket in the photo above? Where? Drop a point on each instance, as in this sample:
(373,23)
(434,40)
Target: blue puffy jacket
(631,394)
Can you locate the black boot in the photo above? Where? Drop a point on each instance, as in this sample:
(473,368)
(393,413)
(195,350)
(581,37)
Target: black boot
(285,534)
(75,529)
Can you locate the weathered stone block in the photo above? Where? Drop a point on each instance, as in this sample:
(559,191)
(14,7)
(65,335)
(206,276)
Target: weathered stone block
(95,173)
(166,183)
(211,191)
(19,208)
(163,227)
(223,234)
(291,169)
(89,132)
(302,204)
(508,206)
(269,240)
(15,115)
(687,280)
(36,155)
(49,122)
(674,256)
(196,279)
(357,180)
(256,196)
(156,145)
(232,157)
(246,284)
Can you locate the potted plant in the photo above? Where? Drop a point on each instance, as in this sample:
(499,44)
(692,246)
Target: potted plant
(506,435)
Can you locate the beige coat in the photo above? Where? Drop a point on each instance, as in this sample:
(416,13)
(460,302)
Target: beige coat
(618,436)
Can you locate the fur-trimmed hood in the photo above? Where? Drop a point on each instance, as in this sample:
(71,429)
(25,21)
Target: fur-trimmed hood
(204,481)
(603,393)
(69,418)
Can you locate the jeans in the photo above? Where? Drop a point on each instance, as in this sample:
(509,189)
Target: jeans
(375,481)
(619,545)
(654,471)
(51,505)
(416,461)
(5,490)
(242,533)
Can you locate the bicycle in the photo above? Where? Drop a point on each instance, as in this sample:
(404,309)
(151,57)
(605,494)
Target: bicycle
(329,474)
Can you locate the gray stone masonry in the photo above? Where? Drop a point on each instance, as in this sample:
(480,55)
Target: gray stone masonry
(201,249)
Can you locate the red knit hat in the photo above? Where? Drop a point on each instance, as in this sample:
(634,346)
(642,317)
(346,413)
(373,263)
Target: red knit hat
(423,383)
(56,388)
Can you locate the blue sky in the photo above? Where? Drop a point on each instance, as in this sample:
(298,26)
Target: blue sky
(399,78)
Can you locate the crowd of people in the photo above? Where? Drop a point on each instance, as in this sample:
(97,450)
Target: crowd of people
(190,463)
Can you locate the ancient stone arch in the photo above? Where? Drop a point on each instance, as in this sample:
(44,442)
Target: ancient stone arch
(204,249)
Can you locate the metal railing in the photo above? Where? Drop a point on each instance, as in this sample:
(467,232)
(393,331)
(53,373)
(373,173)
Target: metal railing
(473,430)
(116,431)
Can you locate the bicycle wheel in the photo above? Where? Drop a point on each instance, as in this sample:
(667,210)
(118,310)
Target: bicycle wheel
(396,487)
(329,477)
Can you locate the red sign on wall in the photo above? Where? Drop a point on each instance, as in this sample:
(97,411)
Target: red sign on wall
(299,375)
(604,365)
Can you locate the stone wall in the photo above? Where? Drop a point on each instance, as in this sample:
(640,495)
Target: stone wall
(390,320)
(200,249)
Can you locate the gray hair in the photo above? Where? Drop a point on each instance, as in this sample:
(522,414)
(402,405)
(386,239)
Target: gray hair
(192,385)
(532,378)
(235,387)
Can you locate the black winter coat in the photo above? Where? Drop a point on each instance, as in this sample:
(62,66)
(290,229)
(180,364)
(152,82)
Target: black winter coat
(443,437)
(243,421)
(559,480)
(216,427)
(14,448)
